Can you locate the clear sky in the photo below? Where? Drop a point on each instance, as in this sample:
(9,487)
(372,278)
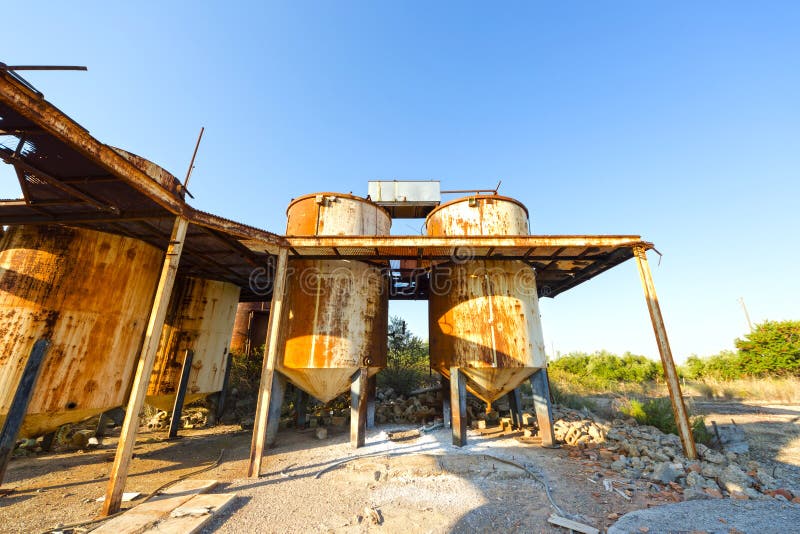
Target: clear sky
(679,121)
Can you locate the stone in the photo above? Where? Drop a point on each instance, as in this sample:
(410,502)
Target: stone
(695,494)
(714,457)
(713,493)
(738,495)
(786,493)
(734,479)
(767,481)
(695,479)
(753,494)
(664,472)
(711,470)
(321,432)
(695,466)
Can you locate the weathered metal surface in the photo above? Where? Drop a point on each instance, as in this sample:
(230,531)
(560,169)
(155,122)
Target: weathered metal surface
(200,317)
(337,311)
(249,327)
(89,293)
(670,373)
(484,314)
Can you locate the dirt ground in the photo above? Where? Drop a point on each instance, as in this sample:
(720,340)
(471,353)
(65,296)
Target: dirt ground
(413,485)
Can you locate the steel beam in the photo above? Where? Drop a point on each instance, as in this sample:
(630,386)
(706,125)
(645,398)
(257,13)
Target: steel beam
(458,404)
(19,404)
(670,373)
(180,395)
(543,408)
(358,407)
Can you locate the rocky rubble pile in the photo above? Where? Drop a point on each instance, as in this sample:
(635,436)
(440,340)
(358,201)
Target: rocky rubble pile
(418,409)
(644,452)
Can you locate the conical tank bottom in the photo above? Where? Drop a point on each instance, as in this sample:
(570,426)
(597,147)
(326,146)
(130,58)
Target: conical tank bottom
(324,384)
(491,383)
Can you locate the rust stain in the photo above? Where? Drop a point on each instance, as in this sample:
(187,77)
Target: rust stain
(336,310)
(486,321)
(54,283)
(200,317)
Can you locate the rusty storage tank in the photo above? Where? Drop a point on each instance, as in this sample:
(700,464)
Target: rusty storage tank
(90,293)
(200,317)
(336,310)
(484,314)
(250,327)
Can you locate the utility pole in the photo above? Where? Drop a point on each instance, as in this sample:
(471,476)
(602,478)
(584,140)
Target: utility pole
(746,315)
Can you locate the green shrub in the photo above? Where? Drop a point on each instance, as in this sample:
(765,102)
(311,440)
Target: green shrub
(658,413)
(407,363)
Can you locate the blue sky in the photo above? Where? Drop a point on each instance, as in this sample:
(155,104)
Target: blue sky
(679,121)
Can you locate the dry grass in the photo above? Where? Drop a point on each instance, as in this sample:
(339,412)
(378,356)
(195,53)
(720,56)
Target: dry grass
(784,390)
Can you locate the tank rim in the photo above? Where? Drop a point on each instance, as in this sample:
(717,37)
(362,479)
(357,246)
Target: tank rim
(343,195)
(465,199)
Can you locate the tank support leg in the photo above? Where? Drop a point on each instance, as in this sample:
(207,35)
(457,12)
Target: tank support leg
(670,373)
(158,312)
(358,407)
(446,413)
(372,390)
(180,396)
(458,404)
(300,403)
(543,408)
(275,406)
(47,441)
(225,383)
(515,406)
(19,404)
(274,328)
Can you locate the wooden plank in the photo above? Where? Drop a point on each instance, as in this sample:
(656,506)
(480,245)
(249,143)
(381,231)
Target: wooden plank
(141,517)
(19,404)
(268,368)
(572,525)
(130,427)
(189,518)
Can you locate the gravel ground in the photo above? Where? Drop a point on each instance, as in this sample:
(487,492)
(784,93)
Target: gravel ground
(722,516)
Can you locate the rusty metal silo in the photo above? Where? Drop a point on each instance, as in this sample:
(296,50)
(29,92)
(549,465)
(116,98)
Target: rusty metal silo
(484,314)
(89,292)
(200,317)
(336,310)
(250,327)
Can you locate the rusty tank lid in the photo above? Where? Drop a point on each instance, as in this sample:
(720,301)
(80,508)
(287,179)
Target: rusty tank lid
(338,195)
(479,197)
(158,173)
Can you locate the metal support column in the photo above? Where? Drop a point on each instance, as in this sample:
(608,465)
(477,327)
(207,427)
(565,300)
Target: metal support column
(670,373)
(372,390)
(541,404)
(515,407)
(130,427)
(358,407)
(275,406)
(19,404)
(180,395)
(268,368)
(446,412)
(225,383)
(458,404)
(301,406)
